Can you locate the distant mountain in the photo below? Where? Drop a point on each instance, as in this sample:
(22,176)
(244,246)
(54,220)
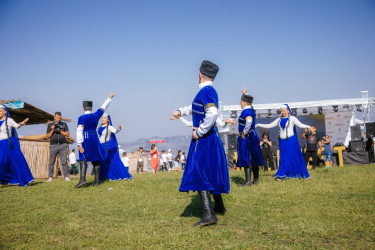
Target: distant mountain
(172,142)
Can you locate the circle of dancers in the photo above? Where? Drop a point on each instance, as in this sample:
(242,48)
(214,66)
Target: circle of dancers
(206,169)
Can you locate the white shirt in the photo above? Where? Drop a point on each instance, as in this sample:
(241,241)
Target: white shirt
(164,157)
(169,156)
(125,160)
(182,158)
(3,130)
(293,122)
(72,158)
(110,131)
(210,117)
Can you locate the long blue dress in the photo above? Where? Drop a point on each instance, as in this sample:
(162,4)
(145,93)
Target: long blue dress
(248,149)
(112,167)
(93,151)
(292,164)
(14,169)
(206,166)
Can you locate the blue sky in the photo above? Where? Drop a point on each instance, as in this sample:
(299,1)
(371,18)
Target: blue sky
(55,54)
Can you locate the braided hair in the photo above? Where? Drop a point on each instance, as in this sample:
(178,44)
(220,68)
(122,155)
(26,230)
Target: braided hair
(106,135)
(8,134)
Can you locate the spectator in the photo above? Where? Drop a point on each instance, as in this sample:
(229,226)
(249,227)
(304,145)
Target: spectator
(154,153)
(56,132)
(73,162)
(125,160)
(165,160)
(170,159)
(178,160)
(370,149)
(313,142)
(327,151)
(266,145)
(183,161)
(140,158)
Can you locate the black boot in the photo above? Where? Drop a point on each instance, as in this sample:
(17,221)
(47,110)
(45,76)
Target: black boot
(209,216)
(219,204)
(256,175)
(82,174)
(96,173)
(248,177)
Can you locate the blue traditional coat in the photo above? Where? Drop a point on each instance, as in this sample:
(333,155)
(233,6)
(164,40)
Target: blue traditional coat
(206,166)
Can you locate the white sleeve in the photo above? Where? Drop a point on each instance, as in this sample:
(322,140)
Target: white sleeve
(186,122)
(209,120)
(298,123)
(185,110)
(12,123)
(271,125)
(247,125)
(106,104)
(220,122)
(80,135)
(113,130)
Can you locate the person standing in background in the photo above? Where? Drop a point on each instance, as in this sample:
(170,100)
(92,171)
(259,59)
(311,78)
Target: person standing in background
(170,159)
(266,145)
(313,143)
(125,160)
(154,153)
(327,151)
(56,132)
(140,160)
(73,162)
(183,161)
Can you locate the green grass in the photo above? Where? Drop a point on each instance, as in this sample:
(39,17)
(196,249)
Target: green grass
(333,209)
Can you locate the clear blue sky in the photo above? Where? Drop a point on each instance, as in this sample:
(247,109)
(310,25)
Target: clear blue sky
(55,54)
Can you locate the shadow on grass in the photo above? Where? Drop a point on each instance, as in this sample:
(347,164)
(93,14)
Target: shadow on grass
(34,183)
(194,208)
(238,180)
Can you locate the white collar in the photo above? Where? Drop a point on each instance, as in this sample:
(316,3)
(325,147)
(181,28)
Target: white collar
(88,112)
(204,84)
(247,107)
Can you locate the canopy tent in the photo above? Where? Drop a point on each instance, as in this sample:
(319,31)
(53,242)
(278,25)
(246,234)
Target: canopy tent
(20,110)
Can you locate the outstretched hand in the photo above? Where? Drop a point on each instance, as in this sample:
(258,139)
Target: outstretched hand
(244,90)
(175,115)
(230,121)
(120,127)
(24,122)
(112,95)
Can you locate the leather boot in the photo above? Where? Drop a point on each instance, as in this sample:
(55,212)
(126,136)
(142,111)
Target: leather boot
(96,173)
(219,204)
(209,216)
(248,177)
(82,174)
(256,175)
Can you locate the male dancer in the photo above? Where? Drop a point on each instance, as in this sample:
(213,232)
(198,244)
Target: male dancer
(88,140)
(206,169)
(248,144)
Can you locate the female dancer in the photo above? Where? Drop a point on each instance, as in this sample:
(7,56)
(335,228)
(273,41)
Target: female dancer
(13,166)
(292,164)
(112,167)
(154,158)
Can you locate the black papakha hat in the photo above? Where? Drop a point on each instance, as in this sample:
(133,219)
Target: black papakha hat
(87,104)
(209,69)
(247,98)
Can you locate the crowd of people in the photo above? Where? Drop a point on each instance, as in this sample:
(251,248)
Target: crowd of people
(205,166)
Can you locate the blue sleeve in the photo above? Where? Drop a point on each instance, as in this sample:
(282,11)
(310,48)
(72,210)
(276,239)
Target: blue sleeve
(209,97)
(99,113)
(81,121)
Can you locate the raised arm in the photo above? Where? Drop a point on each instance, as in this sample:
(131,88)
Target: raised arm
(298,123)
(271,125)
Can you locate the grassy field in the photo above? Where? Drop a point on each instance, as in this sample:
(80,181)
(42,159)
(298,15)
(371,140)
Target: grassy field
(333,209)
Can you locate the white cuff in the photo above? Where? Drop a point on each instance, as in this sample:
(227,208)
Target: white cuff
(80,138)
(106,104)
(185,110)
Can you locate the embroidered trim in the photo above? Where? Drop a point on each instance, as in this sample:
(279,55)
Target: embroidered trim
(201,113)
(198,104)
(209,105)
(249,118)
(80,126)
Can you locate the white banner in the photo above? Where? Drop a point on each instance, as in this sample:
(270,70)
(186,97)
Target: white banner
(337,126)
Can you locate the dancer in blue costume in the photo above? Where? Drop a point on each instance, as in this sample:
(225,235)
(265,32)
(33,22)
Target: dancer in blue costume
(206,169)
(13,166)
(88,140)
(292,164)
(112,167)
(248,144)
